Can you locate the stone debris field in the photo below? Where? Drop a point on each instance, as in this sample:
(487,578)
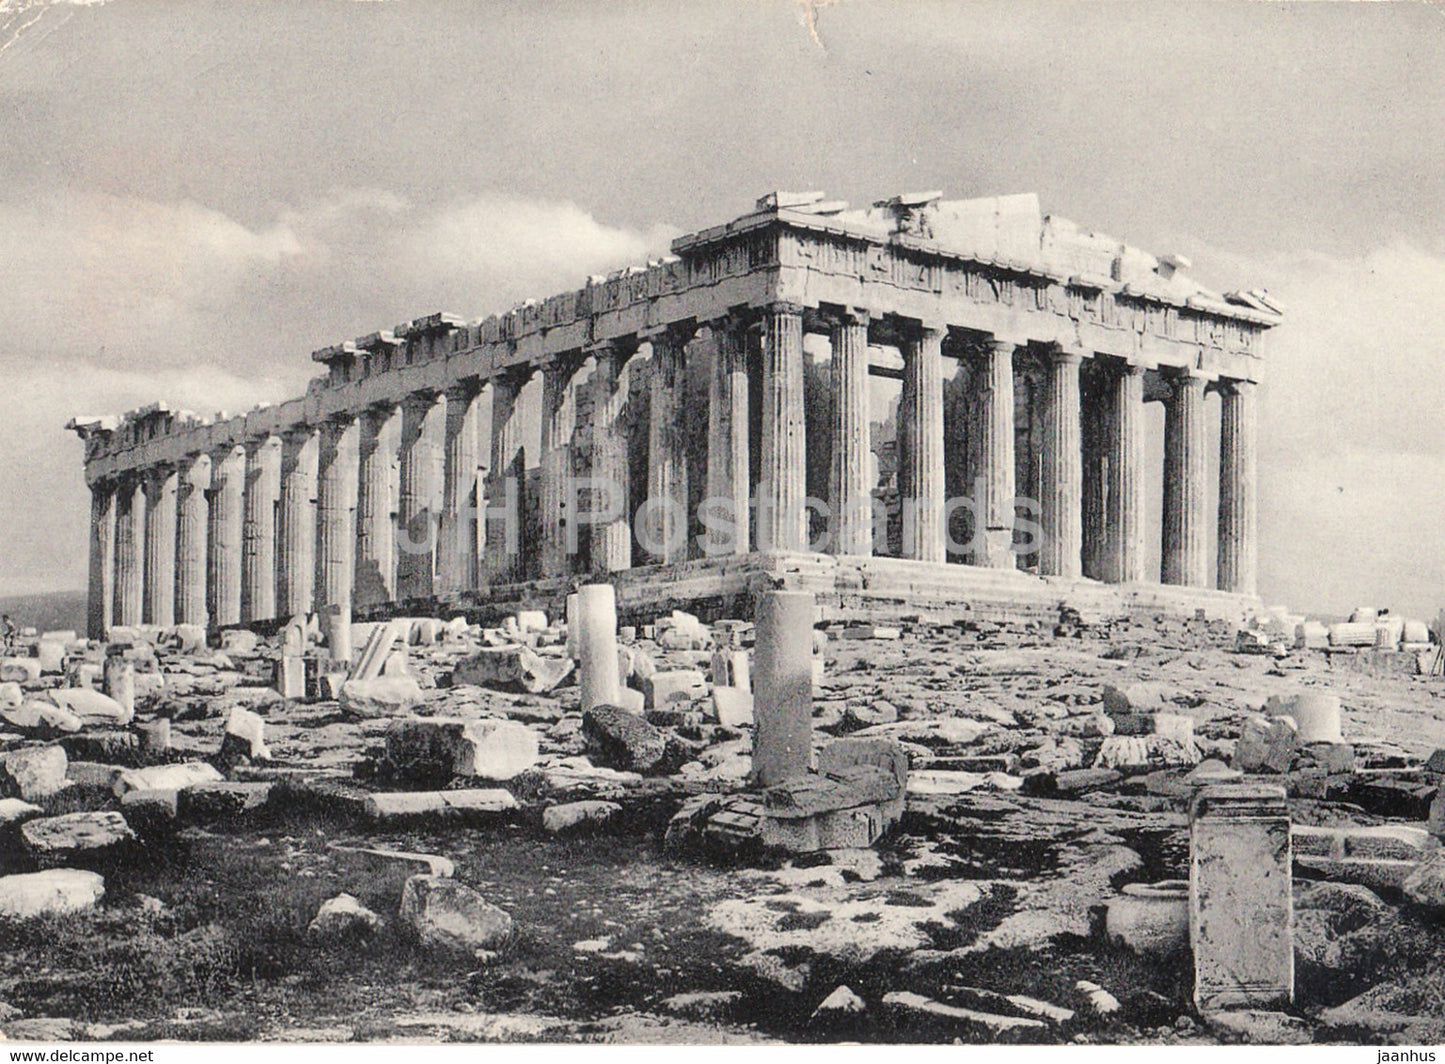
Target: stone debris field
(1094,830)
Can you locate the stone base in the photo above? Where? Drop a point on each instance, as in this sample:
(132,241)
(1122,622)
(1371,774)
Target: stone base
(848,588)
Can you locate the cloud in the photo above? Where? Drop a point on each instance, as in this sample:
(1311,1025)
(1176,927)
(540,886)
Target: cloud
(1352,428)
(113,302)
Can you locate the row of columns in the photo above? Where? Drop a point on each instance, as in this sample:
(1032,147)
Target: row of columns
(381,505)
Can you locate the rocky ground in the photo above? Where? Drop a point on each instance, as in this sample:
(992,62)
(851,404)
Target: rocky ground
(285,892)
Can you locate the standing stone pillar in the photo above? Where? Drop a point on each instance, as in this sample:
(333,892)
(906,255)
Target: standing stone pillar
(1241,920)
(296,525)
(1185,545)
(783,687)
(598,676)
(728,485)
(193,519)
(1124,513)
(504,492)
(339,475)
(665,526)
(130,536)
(559,421)
(1062,471)
(611,532)
(263,496)
(100,599)
(996,456)
(849,492)
(920,459)
(228,505)
(1238,505)
(457,562)
(376,500)
(783,480)
(162,487)
(423,467)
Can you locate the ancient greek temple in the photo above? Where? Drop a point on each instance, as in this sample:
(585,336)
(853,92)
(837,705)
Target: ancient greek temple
(922,405)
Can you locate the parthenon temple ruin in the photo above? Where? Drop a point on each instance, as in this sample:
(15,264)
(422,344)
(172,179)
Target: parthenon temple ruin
(716,421)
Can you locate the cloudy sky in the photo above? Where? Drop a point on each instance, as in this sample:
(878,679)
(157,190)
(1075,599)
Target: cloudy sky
(194,196)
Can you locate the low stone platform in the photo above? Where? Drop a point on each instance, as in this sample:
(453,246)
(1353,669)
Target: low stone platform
(852,588)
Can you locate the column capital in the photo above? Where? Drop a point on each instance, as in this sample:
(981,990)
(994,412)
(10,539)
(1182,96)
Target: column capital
(784,307)
(736,319)
(679,332)
(1183,380)
(1000,345)
(1063,356)
(845,316)
(623,347)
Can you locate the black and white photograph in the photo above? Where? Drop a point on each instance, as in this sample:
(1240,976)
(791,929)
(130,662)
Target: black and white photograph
(782,523)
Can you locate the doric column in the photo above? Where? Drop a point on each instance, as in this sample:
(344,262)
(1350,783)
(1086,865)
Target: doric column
(457,558)
(377,486)
(1238,508)
(162,485)
(1124,513)
(727,440)
(263,496)
(338,468)
(920,458)
(228,504)
(1062,469)
(192,521)
(611,539)
(559,421)
(667,523)
(423,466)
(506,482)
(130,537)
(783,480)
(849,492)
(996,456)
(100,600)
(296,525)
(1184,561)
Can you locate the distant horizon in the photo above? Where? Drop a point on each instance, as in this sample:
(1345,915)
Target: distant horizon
(190,230)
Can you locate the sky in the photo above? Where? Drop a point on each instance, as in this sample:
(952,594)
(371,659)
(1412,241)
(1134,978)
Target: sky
(196,195)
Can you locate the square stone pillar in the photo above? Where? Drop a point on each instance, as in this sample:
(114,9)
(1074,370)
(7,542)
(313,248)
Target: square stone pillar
(337,491)
(162,485)
(1062,470)
(783,480)
(920,436)
(263,496)
(505,490)
(296,523)
(608,507)
(130,535)
(728,479)
(228,507)
(100,597)
(461,501)
(664,521)
(1238,475)
(1241,922)
(559,422)
(996,456)
(1185,545)
(850,492)
(374,579)
(192,530)
(423,465)
(1124,512)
